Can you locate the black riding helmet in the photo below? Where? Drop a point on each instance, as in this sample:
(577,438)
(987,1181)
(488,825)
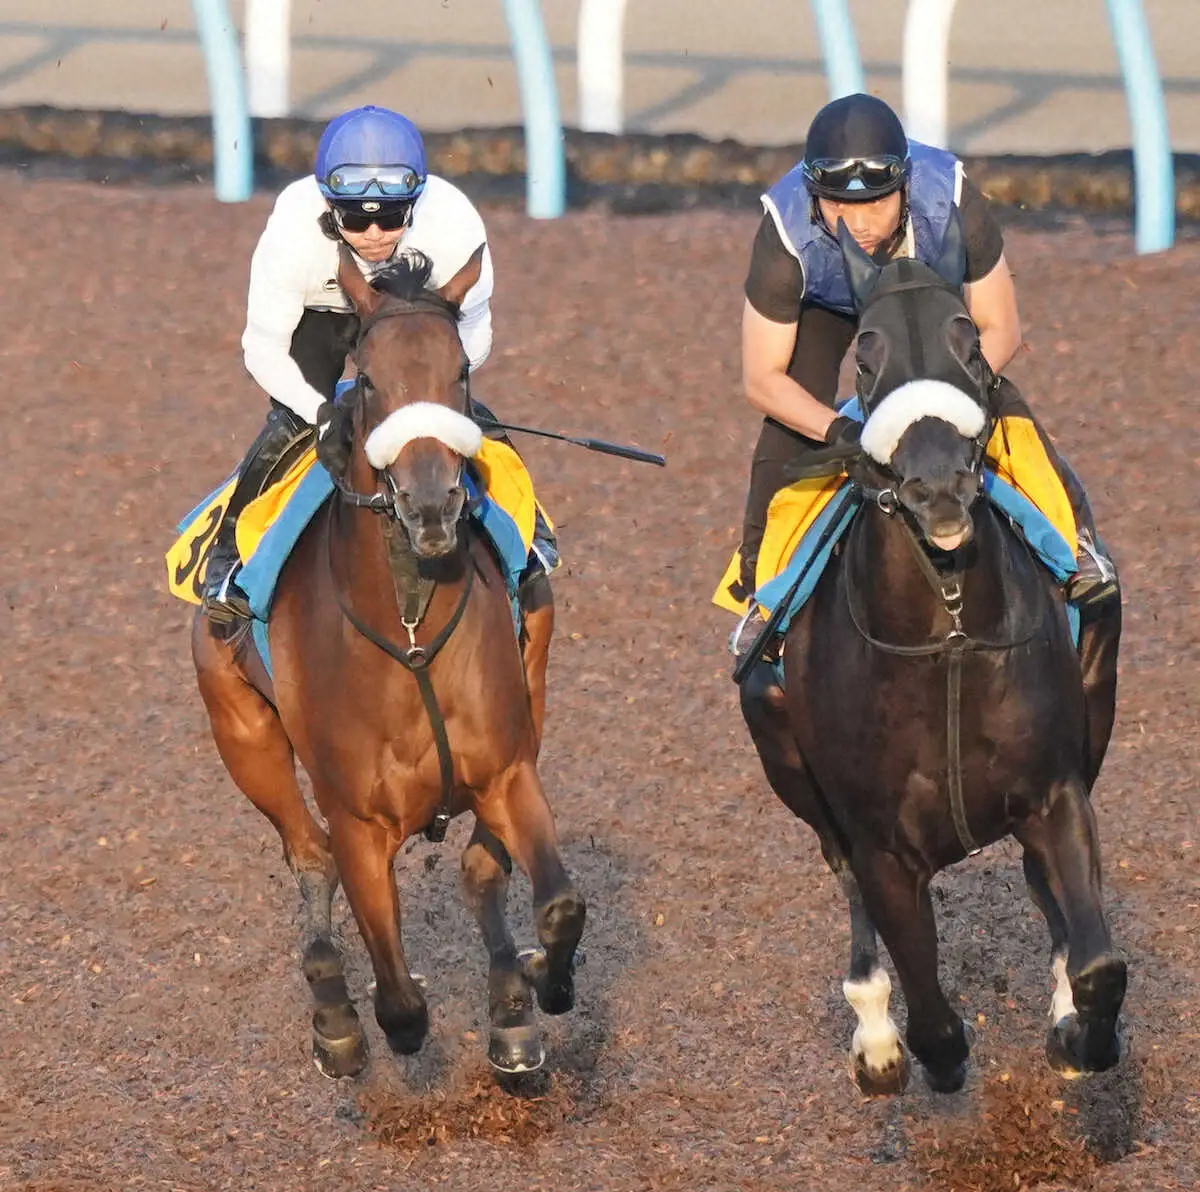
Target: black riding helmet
(855,151)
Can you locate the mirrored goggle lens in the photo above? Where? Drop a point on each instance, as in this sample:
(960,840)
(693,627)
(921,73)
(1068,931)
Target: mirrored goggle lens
(875,173)
(399,182)
(354,221)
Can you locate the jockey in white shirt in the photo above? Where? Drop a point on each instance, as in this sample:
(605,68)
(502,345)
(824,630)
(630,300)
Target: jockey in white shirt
(370,190)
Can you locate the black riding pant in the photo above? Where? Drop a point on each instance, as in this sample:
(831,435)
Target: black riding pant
(822,340)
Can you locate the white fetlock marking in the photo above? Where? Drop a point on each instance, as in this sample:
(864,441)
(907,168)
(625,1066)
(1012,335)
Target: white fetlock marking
(1062,1004)
(876,1041)
(419,979)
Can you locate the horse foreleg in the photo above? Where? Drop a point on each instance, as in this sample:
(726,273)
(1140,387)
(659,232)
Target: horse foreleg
(258,755)
(878,1062)
(364,851)
(515,811)
(537,612)
(1099,643)
(897,900)
(1063,864)
(515,1043)
(1061,1003)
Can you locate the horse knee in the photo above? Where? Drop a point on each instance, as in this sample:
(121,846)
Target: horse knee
(560,920)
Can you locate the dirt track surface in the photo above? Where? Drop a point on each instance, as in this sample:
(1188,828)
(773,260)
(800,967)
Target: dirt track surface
(153,1017)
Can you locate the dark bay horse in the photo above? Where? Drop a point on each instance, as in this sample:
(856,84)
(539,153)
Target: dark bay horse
(401,685)
(935,700)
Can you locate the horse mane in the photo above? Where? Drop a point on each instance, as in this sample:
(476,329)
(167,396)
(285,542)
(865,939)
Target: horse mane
(407,278)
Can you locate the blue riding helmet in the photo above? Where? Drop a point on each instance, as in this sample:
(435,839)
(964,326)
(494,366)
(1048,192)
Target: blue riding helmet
(370,155)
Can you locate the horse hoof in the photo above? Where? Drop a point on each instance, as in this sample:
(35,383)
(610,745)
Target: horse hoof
(1062,1046)
(885,1081)
(516,1049)
(1072,1053)
(339,1047)
(949,1081)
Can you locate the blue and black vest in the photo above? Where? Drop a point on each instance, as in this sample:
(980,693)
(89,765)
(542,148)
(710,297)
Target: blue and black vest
(931,192)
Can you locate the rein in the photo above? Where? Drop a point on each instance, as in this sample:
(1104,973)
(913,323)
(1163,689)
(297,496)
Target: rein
(413,591)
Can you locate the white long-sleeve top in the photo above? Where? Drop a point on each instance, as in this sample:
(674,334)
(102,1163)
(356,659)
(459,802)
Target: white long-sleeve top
(294,268)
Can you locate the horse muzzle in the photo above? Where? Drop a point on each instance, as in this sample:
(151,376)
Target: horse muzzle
(432,526)
(949,535)
(433,541)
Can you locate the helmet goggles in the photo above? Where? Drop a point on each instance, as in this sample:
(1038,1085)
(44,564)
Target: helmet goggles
(843,176)
(393,182)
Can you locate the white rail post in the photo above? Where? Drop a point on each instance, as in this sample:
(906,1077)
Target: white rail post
(268,56)
(600,67)
(925,70)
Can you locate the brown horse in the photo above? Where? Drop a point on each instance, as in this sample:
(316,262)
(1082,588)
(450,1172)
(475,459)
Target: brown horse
(401,685)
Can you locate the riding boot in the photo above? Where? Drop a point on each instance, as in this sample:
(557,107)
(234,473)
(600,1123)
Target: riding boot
(1095,580)
(223,599)
(778,449)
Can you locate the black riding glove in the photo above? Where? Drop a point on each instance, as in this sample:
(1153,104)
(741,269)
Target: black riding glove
(333,438)
(844,432)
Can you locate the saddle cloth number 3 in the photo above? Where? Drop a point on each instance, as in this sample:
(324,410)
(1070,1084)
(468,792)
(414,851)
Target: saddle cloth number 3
(186,559)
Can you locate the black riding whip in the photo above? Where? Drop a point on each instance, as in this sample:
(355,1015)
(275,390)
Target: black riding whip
(634,453)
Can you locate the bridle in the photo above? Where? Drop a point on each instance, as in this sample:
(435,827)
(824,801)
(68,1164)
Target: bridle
(388,503)
(886,498)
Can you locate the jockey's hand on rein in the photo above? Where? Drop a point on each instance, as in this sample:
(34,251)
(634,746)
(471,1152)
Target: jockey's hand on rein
(844,432)
(333,439)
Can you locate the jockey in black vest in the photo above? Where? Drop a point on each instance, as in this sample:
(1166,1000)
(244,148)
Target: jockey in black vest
(896,197)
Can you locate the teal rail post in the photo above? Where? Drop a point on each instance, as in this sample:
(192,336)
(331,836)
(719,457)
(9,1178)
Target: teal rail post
(839,47)
(1153,169)
(545,160)
(233,142)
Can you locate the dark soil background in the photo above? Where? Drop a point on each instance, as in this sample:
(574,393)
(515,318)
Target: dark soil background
(153,1017)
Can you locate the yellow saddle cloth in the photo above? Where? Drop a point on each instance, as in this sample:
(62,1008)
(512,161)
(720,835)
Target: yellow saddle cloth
(1015,453)
(503,478)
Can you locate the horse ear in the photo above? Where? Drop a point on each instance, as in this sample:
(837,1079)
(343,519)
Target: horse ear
(363,296)
(951,265)
(457,288)
(862,273)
